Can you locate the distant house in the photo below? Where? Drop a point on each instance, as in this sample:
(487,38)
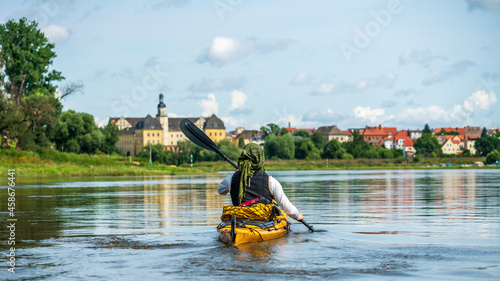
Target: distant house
(470,143)
(250,136)
(291,130)
(376,135)
(401,140)
(452,145)
(415,134)
(332,132)
(472,131)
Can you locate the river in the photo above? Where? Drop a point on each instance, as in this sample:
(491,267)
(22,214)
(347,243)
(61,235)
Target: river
(380,225)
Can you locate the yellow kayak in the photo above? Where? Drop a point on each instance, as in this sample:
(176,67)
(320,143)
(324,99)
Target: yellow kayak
(240,230)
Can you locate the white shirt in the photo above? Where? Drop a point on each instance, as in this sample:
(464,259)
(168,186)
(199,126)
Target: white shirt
(275,188)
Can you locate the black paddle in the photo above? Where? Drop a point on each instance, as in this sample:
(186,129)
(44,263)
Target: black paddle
(197,136)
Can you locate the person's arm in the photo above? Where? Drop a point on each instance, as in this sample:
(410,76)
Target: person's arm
(225,185)
(282,200)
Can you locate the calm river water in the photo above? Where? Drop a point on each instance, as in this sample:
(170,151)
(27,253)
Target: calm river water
(384,225)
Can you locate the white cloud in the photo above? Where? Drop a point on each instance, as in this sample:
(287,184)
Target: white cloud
(294,121)
(223,49)
(301,78)
(484,4)
(209,106)
(476,103)
(453,71)
(385,80)
(99,122)
(56,33)
(367,114)
(405,92)
(323,116)
(423,57)
(324,88)
(238,100)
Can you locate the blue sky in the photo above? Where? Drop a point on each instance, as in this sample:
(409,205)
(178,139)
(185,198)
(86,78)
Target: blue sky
(311,63)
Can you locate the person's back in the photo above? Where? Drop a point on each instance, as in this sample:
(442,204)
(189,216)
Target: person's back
(252,183)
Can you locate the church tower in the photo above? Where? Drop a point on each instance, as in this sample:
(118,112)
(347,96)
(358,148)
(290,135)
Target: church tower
(163,119)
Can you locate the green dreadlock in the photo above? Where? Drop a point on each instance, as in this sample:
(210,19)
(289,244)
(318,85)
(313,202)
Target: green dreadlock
(250,161)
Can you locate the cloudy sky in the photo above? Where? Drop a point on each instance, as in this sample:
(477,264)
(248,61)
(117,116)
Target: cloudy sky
(397,63)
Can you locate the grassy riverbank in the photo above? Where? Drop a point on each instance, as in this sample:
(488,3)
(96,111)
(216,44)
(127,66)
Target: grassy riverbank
(53,163)
(57,164)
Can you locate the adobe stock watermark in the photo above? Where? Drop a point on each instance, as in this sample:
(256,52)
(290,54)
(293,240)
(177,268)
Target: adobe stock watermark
(150,82)
(223,6)
(45,10)
(363,37)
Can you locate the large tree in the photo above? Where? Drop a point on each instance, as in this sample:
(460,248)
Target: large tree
(334,150)
(28,106)
(282,147)
(27,56)
(305,149)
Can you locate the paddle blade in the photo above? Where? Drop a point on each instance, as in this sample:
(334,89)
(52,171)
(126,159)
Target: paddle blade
(196,135)
(201,139)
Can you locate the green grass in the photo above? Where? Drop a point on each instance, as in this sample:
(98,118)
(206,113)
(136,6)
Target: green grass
(52,163)
(57,164)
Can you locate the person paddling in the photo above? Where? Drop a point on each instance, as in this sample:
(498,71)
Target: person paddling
(251,184)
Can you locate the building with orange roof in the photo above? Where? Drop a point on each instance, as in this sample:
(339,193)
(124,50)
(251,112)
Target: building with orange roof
(453,145)
(376,135)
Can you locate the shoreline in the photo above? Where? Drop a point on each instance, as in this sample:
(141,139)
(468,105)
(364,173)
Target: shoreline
(66,165)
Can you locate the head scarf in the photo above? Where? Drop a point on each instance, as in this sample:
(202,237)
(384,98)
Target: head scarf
(250,161)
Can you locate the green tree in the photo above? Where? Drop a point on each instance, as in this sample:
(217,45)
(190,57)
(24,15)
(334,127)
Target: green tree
(27,56)
(111,134)
(78,133)
(270,129)
(427,144)
(230,149)
(492,157)
(241,142)
(357,146)
(486,145)
(333,150)
(158,154)
(484,133)
(318,139)
(305,149)
(301,133)
(427,130)
(282,147)
(28,105)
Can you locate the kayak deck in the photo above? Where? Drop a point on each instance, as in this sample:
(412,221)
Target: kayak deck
(248,231)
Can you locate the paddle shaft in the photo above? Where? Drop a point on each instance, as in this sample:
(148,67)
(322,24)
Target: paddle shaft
(308,225)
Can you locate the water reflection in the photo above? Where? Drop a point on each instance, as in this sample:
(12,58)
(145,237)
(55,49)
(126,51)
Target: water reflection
(378,222)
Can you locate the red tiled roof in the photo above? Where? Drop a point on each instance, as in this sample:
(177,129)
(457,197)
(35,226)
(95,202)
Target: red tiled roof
(460,131)
(408,143)
(374,132)
(347,132)
(391,130)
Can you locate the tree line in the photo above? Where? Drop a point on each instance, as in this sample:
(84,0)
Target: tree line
(31,116)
